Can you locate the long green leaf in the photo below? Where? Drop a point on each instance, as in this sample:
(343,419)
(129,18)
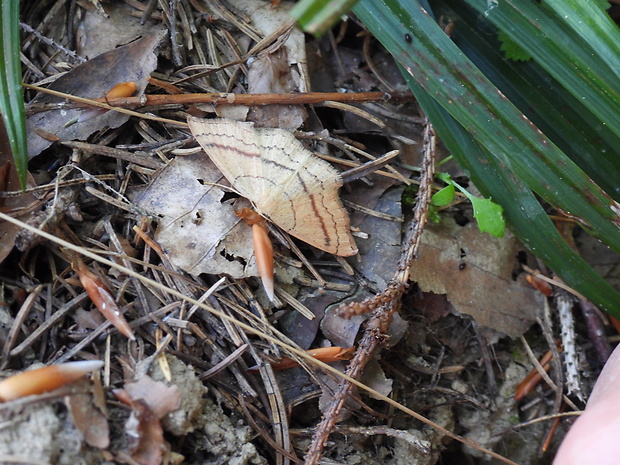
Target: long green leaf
(11,94)
(557,113)
(318,16)
(527,218)
(459,87)
(510,156)
(574,40)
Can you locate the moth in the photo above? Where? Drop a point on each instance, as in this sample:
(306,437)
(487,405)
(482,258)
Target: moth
(285,182)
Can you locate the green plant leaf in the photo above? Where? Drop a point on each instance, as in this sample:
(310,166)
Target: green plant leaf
(487,213)
(557,113)
(11,94)
(575,41)
(472,100)
(489,216)
(444,196)
(524,213)
(512,50)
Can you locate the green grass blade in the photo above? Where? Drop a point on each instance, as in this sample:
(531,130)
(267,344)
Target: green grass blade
(527,218)
(429,55)
(557,113)
(318,16)
(575,41)
(11,93)
(507,157)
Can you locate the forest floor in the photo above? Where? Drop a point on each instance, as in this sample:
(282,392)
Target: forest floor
(138,208)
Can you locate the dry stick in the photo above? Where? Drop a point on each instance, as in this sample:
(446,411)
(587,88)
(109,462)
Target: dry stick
(324,366)
(224,98)
(54,185)
(384,304)
(52,42)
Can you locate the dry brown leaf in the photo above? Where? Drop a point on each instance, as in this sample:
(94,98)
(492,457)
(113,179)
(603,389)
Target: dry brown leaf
(150,401)
(88,320)
(98,34)
(145,435)
(160,398)
(91,421)
(270,74)
(279,71)
(188,416)
(475,270)
(9,181)
(133,62)
(267,20)
(199,233)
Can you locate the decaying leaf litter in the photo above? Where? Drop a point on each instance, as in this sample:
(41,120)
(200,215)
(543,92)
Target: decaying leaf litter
(182,390)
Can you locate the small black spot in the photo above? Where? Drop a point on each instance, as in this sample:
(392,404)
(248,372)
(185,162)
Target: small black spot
(408,38)
(462,266)
(229,196)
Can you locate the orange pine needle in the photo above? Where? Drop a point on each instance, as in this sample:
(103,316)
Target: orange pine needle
(122,89)
(44,379)
(551,432)
(323,354)
(539,284)
(533,378)
(102,298)
(263,249)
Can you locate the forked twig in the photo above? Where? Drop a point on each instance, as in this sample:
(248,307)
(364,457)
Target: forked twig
(383,305)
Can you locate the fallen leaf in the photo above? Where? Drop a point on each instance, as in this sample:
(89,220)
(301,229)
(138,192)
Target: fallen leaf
(188,416)
(304,331)
(198,229)
(475,270)
(88,320)
(97,34)
(381,252)
(160,398)
(91,421)
(278,71)
(270,74)
(133,62)
(145,435)
(267,20)
(150,401)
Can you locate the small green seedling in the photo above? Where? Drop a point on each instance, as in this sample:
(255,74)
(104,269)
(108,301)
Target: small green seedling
(488,214)
(511,49)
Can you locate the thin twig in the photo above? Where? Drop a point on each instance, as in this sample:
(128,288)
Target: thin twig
(384,305)
(51,42)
